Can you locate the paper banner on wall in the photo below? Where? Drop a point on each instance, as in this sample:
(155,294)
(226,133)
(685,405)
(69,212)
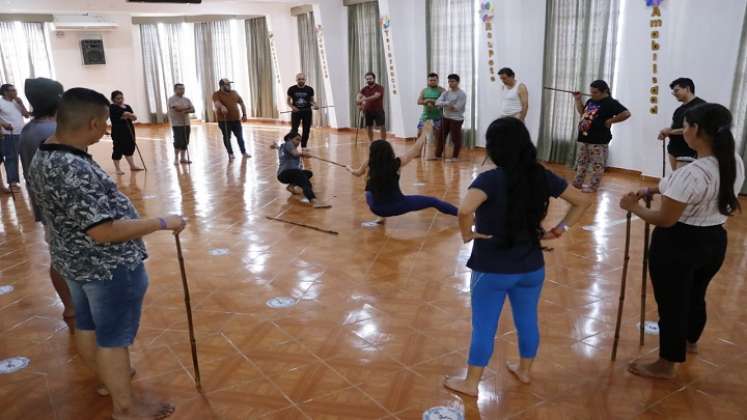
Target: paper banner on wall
(654,26)
(274,55)
(322,50)
(487,11)
(385,23)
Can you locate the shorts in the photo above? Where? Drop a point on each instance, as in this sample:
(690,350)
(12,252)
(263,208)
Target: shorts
(181,137)
(436,124)
(375,118)
(111,308)
(681,151)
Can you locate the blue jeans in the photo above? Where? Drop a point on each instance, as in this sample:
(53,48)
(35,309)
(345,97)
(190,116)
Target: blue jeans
(10,152)
(489,291)
(228,127)
(408,203)
(111,308)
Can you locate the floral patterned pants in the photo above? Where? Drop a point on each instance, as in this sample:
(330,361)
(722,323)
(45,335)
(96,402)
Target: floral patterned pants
(592,158)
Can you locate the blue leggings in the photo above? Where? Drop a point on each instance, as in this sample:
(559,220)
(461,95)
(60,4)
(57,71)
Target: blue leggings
(488,293)
(408,203)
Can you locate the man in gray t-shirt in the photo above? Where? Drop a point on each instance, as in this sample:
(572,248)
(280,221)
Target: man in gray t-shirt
(454,103)
(179,109)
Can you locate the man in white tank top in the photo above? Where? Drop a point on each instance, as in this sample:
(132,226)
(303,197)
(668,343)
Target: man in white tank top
(516,99)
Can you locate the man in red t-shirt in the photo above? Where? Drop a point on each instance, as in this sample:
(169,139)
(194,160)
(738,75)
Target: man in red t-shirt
(371,102)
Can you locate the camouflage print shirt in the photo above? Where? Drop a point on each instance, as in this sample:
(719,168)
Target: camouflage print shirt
(74,195)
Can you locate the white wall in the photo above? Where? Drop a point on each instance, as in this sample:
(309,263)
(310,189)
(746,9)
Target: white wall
(699,40)
(333,17)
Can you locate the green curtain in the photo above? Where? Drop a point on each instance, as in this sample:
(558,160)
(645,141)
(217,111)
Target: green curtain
(450,31)
(580,41)
(310,62)
(739,98)
(365,53)
(261,71)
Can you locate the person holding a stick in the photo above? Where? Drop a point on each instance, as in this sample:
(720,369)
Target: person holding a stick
(594,134)
(227,102)
(680,154)
(371,101)
(688,245)
(503,213)
(12,114)
(291,172)
(453,102)
(95,239)
(301,102)
(431,111)
(383,194)
(516,99)
(179,109)
(123,132)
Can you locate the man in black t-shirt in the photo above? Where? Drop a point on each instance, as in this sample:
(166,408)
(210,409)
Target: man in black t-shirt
(301,101)
(680,153)
(597,116)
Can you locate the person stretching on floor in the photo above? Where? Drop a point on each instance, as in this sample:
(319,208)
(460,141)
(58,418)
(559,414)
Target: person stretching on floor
(507,205)
(383,195)
(291,172)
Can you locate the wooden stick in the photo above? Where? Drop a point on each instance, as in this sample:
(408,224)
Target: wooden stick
(326,160)
(321,107)
(566,91)
(663,158)
(622,287)
(331,232)
(358,128)
(132,131)
(644,275)
(187,303)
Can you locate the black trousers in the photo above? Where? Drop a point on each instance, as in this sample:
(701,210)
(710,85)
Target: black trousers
(683,260)
(228,127)
(181,137)
(302,117)
(298,177)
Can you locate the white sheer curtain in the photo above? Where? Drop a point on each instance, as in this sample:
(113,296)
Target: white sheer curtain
(24,53)
(739,98)
(220,49)
(451,49)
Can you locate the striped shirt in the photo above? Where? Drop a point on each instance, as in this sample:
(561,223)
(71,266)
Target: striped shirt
(697,185)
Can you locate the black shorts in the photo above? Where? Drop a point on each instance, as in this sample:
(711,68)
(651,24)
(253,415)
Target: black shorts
(377,118)
(181,137)
(681,151)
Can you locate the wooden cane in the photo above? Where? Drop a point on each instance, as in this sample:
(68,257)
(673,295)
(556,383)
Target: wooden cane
(326,160)
(187,303)
(132,131)
(664,158)
(331,232)
(357,129)
(644,275)
(566,91)
(622,286)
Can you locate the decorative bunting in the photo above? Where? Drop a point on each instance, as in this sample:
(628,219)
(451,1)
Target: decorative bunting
(486,15)
(322,51)
(654,24)
(385,24)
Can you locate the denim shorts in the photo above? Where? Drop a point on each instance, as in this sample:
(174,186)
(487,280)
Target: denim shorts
(111,308)
(436,124)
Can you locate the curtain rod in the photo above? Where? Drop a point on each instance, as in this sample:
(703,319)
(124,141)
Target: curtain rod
(37,18)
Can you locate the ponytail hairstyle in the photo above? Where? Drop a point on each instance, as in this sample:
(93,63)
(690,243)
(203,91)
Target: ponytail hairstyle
(714,124)
(510,148)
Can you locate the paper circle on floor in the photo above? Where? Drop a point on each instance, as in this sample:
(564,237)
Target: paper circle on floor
(443,413)
(281,302)
(218,251)
(5,289)
(13,364)
(649,327)
(370,224)
(149,197)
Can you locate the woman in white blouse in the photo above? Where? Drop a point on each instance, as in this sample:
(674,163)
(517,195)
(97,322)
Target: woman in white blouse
(688,245)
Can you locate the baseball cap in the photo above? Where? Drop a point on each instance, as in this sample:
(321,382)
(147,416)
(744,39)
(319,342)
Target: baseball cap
(43,94)
(223,82)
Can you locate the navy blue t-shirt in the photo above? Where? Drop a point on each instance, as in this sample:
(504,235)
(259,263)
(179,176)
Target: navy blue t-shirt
(490,219)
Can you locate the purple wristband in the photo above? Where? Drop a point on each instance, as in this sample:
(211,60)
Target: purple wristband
(162,222)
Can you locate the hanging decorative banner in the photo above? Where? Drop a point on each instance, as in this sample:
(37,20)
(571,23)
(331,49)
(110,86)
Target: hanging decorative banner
(654,24)
(322,51)
(486,15)
(274,54)
(385,23)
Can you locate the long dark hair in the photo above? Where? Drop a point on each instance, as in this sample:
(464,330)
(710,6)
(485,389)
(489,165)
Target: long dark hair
(714,123)
(382,168)
(510,148)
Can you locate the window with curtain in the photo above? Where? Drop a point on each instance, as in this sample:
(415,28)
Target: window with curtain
(25,53)
(261,71)
(310,62)
(580,43)
(739,98)
(365,53)
(220,50)
(450,28)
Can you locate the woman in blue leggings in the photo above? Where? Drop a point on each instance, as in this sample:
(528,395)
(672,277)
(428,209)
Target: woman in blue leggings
(506,205)
(383,195)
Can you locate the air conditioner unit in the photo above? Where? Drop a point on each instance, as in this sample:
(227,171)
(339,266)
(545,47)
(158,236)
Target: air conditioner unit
(82,22)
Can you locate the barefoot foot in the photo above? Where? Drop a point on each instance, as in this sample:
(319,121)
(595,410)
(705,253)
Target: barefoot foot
(522,376)
(658,369)
(461,386)
(692,348)
(145,410)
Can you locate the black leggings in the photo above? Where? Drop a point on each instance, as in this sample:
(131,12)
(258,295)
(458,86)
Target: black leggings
(683,260)
(298,177)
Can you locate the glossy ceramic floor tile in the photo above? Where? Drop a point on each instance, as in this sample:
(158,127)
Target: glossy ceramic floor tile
(378,315)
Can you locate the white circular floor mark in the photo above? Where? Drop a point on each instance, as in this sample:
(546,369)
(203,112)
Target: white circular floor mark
(13,364)
(281,302)
(5,289)
(218,251)
(649,327)
(443,413)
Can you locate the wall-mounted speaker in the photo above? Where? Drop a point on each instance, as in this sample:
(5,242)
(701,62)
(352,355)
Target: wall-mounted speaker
(93,51)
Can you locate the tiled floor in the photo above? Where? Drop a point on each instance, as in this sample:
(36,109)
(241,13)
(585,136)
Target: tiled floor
(382,314)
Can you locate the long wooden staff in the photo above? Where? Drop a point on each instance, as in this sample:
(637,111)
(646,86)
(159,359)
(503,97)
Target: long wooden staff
(187,303)
(331,232)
